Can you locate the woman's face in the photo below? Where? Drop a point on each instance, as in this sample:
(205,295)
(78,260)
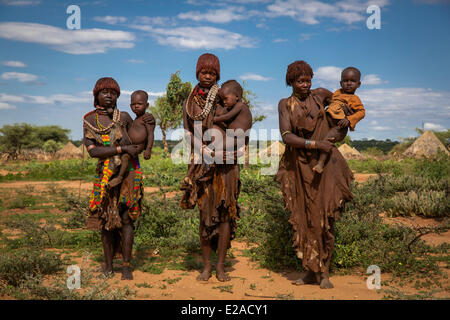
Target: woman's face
(302,85)
(107,98)
(207,78)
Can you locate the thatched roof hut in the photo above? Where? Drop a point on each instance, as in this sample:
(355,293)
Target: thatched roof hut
(349,152)
(426,145)
(69,151)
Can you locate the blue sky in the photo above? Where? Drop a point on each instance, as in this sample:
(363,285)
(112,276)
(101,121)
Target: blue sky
(47,72)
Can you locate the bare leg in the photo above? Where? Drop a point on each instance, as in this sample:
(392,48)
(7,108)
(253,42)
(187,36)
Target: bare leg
(324,276)
(338,135)
(319,166)
(307,277)
(206,255)
(187,181)
(127,246)
(224,240)
(123,169)
(108,251)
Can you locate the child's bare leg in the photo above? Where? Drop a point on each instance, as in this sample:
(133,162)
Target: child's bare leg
(338,135)
(125,158)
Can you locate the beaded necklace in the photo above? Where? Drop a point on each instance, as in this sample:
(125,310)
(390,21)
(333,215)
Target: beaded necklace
(207,105)
(102,129)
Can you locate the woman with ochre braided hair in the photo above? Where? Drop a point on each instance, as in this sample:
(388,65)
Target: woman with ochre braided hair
(314,201)
(213,188)
(113,210)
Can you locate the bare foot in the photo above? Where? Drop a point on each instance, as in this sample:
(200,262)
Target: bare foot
(108,272)
(221,275)
(326,284)
(205,275)
(127,274)
(318,168)
(307,277)
(115,182)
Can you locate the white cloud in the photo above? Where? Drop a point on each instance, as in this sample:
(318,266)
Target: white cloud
(278,40)
(328,76)
(223,15)
(84,97)
(433,126)
(6,106)
(305,36)
(198,37)
(311,11)
(111,19)
(135,61)
(84,41)
(150,93)
(380,128)
(19,76)
(10,98)
(372,79)
(15,64)
(20,3)
(255,77)
(406,103)
(155,21)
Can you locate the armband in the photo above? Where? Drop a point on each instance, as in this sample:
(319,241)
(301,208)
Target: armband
(286,132)
(89,148)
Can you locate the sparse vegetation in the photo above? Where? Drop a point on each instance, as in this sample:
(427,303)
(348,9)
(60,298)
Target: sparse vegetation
(166,237)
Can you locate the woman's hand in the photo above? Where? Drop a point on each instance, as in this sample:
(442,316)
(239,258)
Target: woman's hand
(325,145)
(132,150)
(148,119)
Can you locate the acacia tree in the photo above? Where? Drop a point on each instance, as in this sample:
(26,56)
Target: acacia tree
(168,109)
(249,98)
(18,137)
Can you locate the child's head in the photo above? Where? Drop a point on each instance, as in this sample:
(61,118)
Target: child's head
(230,93)
(350,80)
(139,102)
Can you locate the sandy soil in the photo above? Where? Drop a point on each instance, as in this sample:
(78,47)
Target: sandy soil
(248,280)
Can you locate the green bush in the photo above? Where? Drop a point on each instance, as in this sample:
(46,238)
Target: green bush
(22,264)
(429,204)
(163,224)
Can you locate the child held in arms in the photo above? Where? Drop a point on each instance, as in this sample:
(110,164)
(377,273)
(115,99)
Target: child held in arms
(140,134)
(344,111)
(235,110)
(234,114)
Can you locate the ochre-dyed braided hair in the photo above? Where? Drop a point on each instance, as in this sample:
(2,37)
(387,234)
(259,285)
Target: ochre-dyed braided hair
(105,83)
(297,69)
(208,61)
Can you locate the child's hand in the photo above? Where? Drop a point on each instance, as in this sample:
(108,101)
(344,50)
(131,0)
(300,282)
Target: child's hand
(344,123)
(147,154)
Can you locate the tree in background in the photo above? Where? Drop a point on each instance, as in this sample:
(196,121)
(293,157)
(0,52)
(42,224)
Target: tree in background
(18,137)
(249,98)
(55,133)
(168,109)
